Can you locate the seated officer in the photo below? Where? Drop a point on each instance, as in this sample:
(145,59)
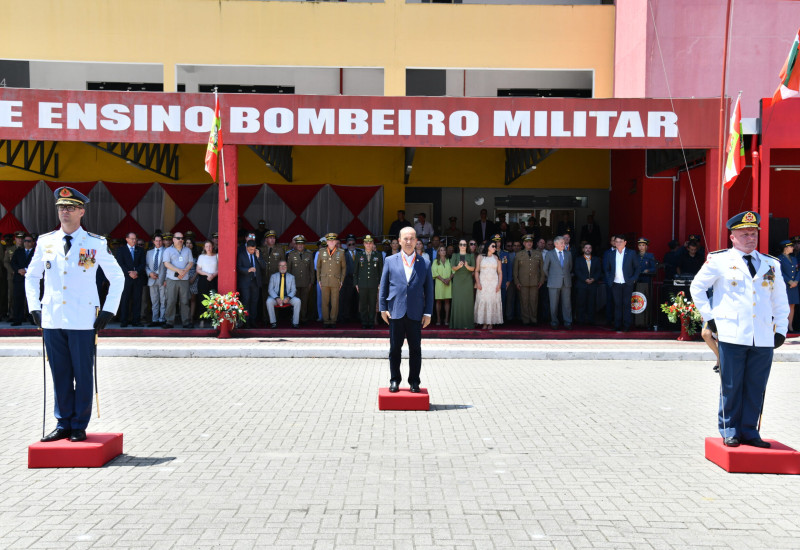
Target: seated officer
(282,292)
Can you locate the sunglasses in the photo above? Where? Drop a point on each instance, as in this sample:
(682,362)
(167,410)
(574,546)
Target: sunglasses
(28,241)
(462,244)
(472,244)
(64,208)
(177,238)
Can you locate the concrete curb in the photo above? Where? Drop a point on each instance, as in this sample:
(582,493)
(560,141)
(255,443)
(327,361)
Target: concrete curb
(429,352)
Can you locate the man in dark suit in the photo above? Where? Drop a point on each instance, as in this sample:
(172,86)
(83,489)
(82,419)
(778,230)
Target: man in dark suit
(558,271)
(588,272)
(621,269)
(20,260)
(406,304)
(131,259)
(249,270)
(483,229)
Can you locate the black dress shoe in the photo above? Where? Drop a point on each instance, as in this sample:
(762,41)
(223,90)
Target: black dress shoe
(756,442)
(553,326)
(188,325)
(16,324)
(414,388)
(153,324)
(394,387)
(78,435)
(568,327)
(55,435)
(137,324)
(731,442)
(273,325)
(123,325)
(295,326)
(167,325)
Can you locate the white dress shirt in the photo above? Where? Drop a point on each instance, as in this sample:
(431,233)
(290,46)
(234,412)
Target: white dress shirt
(619,277)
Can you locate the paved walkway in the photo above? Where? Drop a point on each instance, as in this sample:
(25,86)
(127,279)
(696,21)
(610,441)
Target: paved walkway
(378,348)
(292,453)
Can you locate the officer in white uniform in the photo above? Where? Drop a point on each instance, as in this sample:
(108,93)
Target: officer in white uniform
(750,315)
(69,311)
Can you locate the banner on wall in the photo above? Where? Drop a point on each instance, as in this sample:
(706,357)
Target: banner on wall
(252,119)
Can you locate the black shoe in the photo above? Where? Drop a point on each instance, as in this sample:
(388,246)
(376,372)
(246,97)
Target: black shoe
(153,324)
(295,326)
(364,327)
(333,325)
(55,435)
(273,325)
(167,325)
(137,324)
(568,327)
(553,326)
(78,435)
(188,325)
(756,442)
(123,325)
(394,387)
(731,442)
(16,324)
(414,388)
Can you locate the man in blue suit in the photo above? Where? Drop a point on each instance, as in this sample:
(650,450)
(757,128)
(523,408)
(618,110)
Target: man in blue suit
(131,259)
(406,304)
(621,268)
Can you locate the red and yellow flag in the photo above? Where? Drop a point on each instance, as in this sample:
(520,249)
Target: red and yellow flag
(790,78)
(735,161)
(214,142)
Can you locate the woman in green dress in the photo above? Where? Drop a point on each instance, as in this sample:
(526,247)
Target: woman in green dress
(442,276)
(463,301)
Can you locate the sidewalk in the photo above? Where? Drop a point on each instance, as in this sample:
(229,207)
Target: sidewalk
(378,348)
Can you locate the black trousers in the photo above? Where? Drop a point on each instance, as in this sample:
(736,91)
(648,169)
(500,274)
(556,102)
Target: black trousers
(248,293)
(20,301)
(623,318)
(131,301)
(586,303)
(400,330)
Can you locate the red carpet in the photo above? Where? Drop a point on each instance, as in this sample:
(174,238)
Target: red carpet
(353,330)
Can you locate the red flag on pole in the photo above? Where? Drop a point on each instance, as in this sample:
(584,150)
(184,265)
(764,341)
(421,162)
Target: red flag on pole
(214,142)
(735,162)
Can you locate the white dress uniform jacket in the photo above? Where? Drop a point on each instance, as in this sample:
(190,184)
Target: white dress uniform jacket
(70,287)
(747,310)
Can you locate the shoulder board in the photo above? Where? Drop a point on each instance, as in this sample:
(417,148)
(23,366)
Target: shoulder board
(719,251)
(771,256)
(96,236)
(46,234)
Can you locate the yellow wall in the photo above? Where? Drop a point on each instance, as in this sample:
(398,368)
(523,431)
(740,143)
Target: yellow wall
(393,35)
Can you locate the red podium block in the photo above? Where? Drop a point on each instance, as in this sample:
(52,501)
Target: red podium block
(403,400)
(96,451)
(778,459)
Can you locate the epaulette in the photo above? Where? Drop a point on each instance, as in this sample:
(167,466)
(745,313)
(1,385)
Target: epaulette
(771,256)
(95,235)
(45,234)
(719,251)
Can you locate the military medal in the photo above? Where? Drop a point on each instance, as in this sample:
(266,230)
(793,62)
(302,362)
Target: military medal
(765,283)
(733,283)
(86,259)
(47,264)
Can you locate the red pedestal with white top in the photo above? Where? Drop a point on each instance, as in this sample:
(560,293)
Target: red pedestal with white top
(403,400)
(96,451)
(778,459)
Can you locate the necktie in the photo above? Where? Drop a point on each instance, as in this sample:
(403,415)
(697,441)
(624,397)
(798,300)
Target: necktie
(529,253)
(282,285)
(67,244)
(155,260)
(132,254)
(560,258)
(253,265)
(750,265)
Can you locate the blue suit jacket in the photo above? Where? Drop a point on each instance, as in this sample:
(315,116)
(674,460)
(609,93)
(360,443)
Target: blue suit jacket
(413,298)
(630,266)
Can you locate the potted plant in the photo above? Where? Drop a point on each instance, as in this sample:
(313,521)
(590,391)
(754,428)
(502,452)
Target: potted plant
(681,309)
(224,311)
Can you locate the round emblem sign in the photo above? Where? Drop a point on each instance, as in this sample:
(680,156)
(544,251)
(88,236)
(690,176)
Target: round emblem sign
(638,303)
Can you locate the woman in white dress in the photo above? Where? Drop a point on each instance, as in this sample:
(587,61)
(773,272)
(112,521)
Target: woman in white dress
(488,277)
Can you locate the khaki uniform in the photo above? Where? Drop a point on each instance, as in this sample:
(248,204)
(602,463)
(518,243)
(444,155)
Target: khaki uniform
(301,265)
(528,274)
(331,271)
(9,297)
(367,277)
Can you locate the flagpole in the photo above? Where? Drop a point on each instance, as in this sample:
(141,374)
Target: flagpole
(222,151)
(721,158)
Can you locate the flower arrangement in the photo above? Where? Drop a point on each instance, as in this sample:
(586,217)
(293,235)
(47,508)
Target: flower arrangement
(223,308)
(680,309)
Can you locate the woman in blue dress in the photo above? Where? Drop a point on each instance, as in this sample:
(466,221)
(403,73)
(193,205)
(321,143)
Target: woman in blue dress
(791,276)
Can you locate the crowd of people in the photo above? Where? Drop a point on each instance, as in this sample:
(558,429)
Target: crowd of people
(490,276)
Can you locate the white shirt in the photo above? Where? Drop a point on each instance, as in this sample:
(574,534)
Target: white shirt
(424,231)
(618,275)
(208,264)
(408,264)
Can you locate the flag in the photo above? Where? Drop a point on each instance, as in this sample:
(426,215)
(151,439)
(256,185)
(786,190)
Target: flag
(214,142)
(735,150)
(790,79)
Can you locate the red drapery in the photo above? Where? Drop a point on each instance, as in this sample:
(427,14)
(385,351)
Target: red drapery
(185,196)
(297,198)
(11,194)
(128,196)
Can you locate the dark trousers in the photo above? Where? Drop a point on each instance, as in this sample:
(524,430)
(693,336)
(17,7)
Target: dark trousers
(204,288)
(744,371)
(400,330)
(20,301)
(367,303)
(70,353)
(248,293)
(623,318)
(346,299)
(131,301)
(304,293)
(586,303)
(609,305)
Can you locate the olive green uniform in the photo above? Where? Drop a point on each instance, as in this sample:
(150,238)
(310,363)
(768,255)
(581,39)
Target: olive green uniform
(529,274)
(331,270)
(301,265)
(367,277)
